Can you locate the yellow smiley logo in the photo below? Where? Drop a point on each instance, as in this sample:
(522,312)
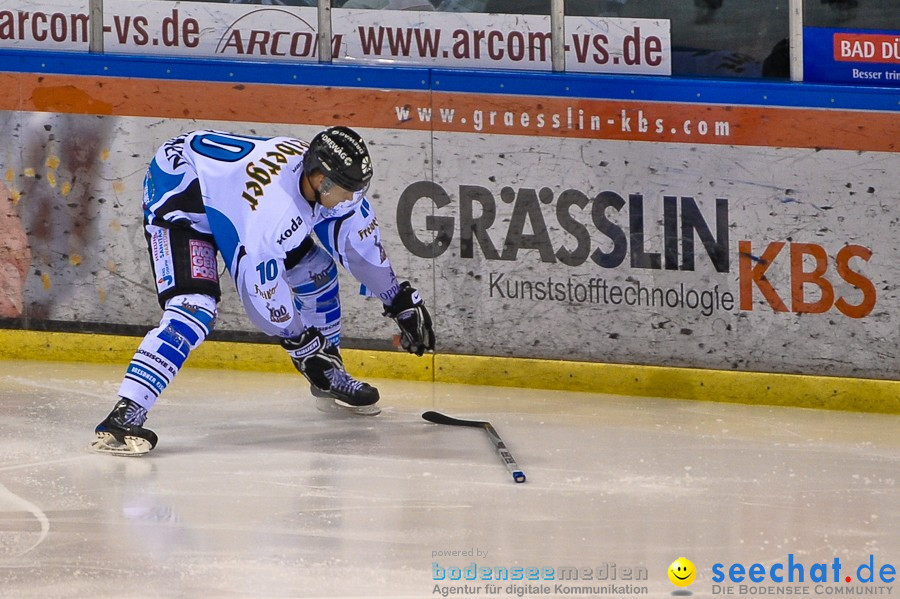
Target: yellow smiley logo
(682,572)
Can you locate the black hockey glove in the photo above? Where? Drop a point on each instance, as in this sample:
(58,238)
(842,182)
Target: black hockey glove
(409,312)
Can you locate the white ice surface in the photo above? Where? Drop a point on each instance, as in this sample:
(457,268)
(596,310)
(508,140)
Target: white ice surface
(252,492)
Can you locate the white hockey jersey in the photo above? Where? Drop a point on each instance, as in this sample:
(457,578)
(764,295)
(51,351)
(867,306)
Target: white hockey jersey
(252,205)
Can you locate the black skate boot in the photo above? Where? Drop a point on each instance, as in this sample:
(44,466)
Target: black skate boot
(320,362)
(122,433)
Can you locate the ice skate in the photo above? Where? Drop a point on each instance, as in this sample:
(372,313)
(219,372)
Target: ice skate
(320,362)
(122,432)
(326,402)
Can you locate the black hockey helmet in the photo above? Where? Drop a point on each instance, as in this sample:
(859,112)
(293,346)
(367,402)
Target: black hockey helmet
(341,155)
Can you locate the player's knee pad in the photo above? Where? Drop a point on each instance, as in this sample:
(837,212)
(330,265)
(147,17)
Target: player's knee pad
(314,283)
(188,318)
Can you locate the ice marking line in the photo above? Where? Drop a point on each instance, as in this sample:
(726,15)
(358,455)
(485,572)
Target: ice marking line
(41,463)
(34,510)
(66,389)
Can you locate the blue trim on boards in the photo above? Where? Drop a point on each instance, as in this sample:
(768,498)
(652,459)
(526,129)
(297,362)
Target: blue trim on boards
(562,85)
(211,69)
(751,92)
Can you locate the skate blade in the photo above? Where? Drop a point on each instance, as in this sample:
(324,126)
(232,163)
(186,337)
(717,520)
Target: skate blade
(331,406)
(132,447)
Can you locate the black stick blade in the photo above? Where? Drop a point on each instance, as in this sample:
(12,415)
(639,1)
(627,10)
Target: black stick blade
(438,418)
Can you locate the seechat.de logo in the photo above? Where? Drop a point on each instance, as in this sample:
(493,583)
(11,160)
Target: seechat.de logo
(795,571)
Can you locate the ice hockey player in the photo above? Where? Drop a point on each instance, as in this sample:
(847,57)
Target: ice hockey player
(257,201)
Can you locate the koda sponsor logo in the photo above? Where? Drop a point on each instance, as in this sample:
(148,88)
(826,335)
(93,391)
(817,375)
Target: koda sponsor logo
(272,32)
(296,223)
(612,232)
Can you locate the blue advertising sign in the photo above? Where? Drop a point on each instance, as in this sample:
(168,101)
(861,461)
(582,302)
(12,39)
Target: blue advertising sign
(858,56)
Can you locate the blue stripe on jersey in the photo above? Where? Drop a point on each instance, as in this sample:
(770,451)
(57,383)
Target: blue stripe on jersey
(173,355)
(336,235)
(332,315)
(322,230)
(158,183)
(226,236)
(146,376)
(327,231)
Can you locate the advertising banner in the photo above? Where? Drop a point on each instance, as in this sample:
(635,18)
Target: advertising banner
(613,251)
(210,29)
(729,237)
(857,56)
(593,45)
(52,25)
(289,33)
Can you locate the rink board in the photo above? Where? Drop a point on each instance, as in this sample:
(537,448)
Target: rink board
(604,229)
(754,388)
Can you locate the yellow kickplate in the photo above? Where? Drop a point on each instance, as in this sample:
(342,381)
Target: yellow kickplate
(823,392)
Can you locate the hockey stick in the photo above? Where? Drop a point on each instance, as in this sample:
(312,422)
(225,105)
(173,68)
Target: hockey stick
(499,445)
